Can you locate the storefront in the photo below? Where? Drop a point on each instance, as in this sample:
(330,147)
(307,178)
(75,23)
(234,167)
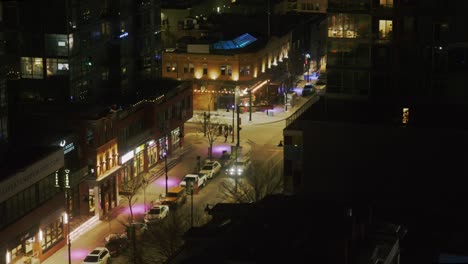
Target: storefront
(152,150)
(175,138)
(139,160)
(36,236)
(163,146)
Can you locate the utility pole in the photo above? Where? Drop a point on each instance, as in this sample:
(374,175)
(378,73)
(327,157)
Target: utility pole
(204,124)
(250,104)
(238,126)
(67,197)
(285,101)
(191,208)
(235,170)
(233,110)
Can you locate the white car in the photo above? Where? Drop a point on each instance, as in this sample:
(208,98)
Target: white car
(211,169)
(194,178)
(157,213)
(99,255)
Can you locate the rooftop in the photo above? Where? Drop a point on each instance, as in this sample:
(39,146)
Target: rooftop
(15,158)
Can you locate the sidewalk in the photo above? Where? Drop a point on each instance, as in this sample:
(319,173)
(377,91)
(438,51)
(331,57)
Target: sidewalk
(277,114)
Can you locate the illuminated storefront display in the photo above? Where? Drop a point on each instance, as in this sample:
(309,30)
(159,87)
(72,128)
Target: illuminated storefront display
(152,153)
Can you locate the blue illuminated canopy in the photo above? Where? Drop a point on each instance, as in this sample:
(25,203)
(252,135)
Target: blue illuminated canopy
(237,43)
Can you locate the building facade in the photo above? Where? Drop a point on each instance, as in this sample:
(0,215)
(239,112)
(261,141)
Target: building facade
(220,76)
(32,204)
(397,50)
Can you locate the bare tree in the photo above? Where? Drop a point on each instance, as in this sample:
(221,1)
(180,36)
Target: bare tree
(260,179)
(167,237)
(129,189)
(212,133)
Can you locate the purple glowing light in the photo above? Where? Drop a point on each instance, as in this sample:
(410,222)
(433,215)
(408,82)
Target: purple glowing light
(161,182)
(137,208)
(79,253)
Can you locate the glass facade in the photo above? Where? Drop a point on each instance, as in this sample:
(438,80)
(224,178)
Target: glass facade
(349,25)
(28,199)
(56,45)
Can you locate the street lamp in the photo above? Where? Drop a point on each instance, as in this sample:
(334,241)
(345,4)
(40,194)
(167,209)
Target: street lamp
(67,214)
(233,108)
(145,184)
(191,204)
(165,165)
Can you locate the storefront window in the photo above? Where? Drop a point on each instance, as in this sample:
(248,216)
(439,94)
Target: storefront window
(162,146)
(90,199)
(52,234)
(152,153)
(175,138)
(139,162)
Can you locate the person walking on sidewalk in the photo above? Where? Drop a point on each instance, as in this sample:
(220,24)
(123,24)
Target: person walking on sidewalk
(225,136)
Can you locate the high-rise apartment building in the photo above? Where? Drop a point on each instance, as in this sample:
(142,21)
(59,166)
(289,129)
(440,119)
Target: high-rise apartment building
(397,50)
(94,47)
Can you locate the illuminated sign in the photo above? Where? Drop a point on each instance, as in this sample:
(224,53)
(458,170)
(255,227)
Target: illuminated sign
(68,148)
(139,148)
(123,35)
(126,157)
(67,178)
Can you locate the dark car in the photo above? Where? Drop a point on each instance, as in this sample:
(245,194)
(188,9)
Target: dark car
(321,82)
(309,89)
(116,244)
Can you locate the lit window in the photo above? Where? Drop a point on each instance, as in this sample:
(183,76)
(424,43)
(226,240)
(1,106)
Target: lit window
(168,67)
(223,69)
(174,67)
(57,67)
(385,29)
(31,68)
(229,70)
(405,117)
(191,68)
(386,3)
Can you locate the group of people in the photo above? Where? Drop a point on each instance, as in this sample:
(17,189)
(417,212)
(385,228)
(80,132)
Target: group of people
(227,130)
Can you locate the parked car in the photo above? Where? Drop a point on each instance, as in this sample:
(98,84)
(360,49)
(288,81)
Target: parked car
(116,243)
(99,255)
(195,178)
(321,82)
(309,89)
(238,167)
(156,213)
(175,197)
(211,169)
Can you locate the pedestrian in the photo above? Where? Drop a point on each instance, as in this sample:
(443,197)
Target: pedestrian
(225,136)
(220,129)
